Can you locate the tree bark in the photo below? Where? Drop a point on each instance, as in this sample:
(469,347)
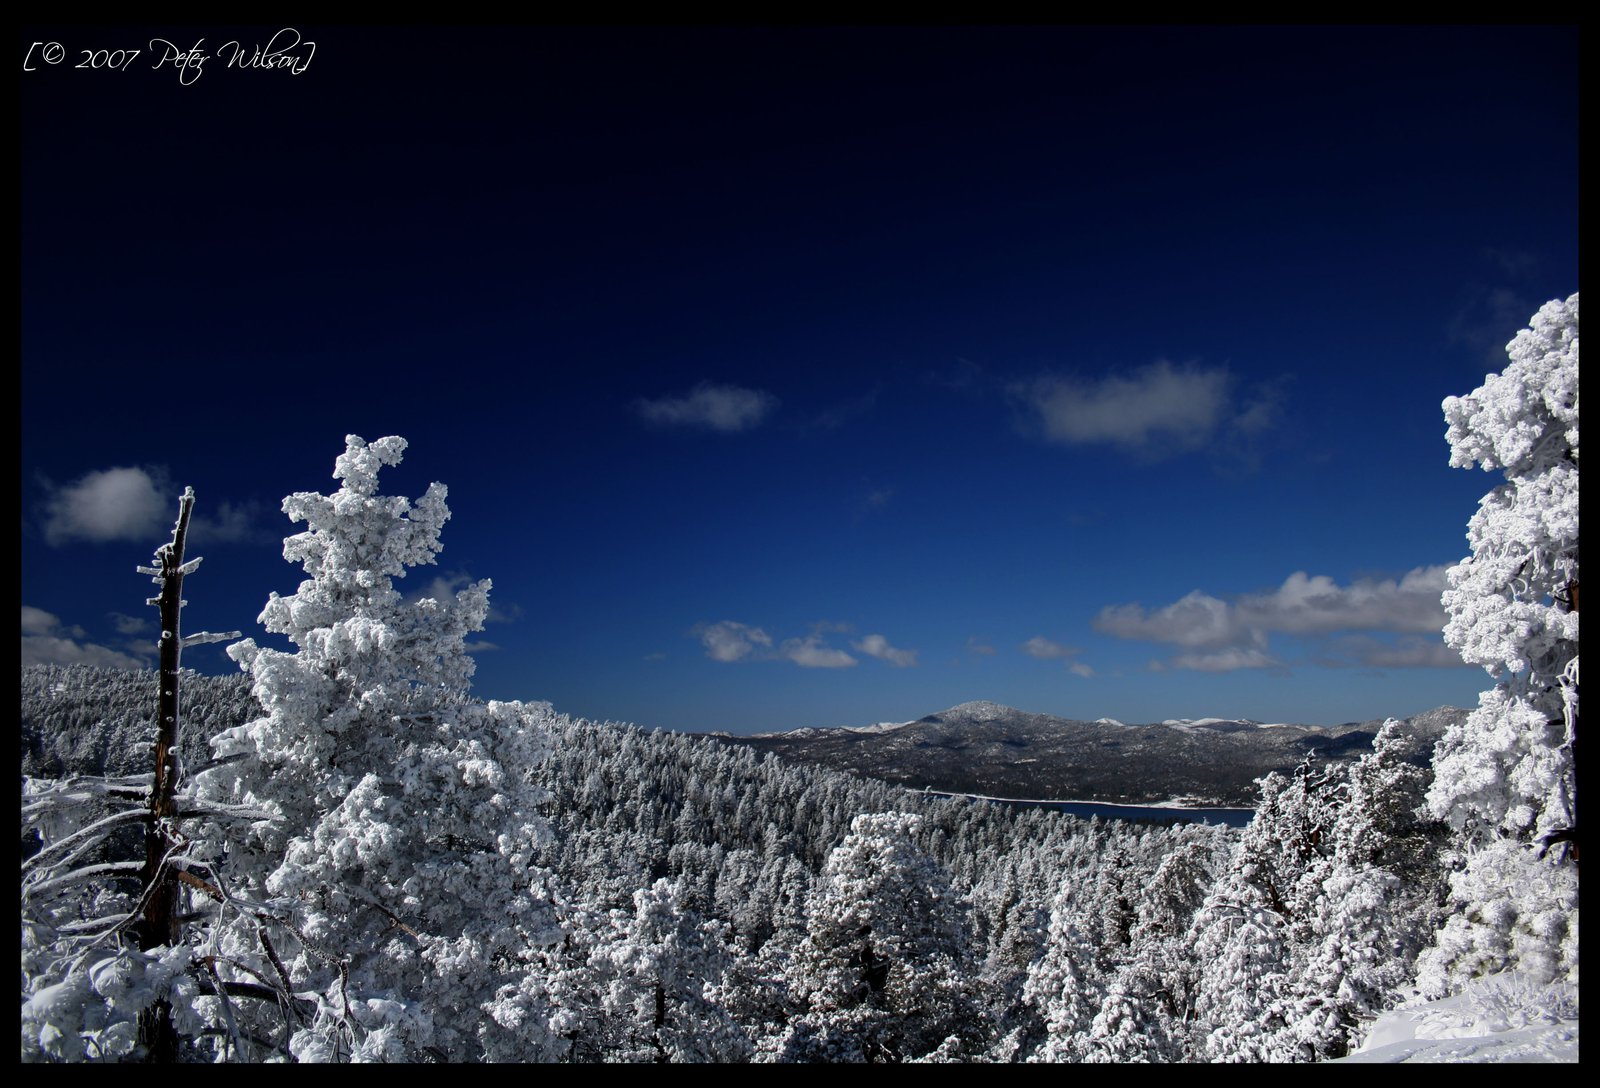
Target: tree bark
(158,924)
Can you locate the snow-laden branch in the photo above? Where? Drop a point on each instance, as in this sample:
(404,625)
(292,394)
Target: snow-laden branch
(78,876)
(79,836)
(204,637)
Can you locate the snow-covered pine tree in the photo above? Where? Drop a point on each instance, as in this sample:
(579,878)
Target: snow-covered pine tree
(1143,1015)
(1377,903)
(884,973)
(398,862)
(1506,779)
(1067,983)
(1257,922)
(658,972)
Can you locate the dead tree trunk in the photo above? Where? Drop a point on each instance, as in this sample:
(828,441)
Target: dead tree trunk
(158,922)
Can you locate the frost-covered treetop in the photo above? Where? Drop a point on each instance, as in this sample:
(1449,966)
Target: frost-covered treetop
(1526,417)
(367,658)
(1507,602)
(357,540)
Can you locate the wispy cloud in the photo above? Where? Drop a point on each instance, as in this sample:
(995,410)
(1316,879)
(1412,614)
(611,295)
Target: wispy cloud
(1160,408)
(125,625)
(1487,319)
(1228,660)
(812,653)
(444,587)
(977,646)
(1048,650)
(877,646)
(1406,652)
(729,641)
(726,408)
(48,641)
(1224,635)
(873,499)
(1157,405)
(231,523)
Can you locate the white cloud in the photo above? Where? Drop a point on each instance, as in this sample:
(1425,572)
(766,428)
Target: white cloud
(142,505)
(1046,650)
(230,523)
(878,646)
(481,646)
(1488,317)
(444,587)
(1228,635)
(726,408)
(730,641)
(1408,652)
(1158,407)
(1318,605)
(977,647)
(36,621)
(812,653)
(47,641)
(1225,660)
(1197,619)
(130,625)
(114,504)
(1078,668)
(1303,605)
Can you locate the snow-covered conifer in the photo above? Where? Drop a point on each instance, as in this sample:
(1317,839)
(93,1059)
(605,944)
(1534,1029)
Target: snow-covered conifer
(884,973)
(1251,935)
(658,973)
(400,856)
(1377,903)
(1067,983)
(1507,777)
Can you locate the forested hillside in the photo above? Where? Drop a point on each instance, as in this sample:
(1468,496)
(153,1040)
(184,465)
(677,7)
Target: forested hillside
(997,751)
(82,720)
(699,891)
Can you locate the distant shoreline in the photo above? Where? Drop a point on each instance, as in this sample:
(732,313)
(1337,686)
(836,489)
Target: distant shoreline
(1077,801)
(1233,815)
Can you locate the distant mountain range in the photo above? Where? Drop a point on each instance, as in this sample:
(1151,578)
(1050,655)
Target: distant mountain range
(998,751)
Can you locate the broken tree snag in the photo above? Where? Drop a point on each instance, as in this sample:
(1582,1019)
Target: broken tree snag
(158,922)
(157,925)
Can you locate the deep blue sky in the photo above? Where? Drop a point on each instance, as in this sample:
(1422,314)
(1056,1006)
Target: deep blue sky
(792,377)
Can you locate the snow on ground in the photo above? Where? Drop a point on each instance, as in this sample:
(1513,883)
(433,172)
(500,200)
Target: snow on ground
(877,727)
(1502,1018)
